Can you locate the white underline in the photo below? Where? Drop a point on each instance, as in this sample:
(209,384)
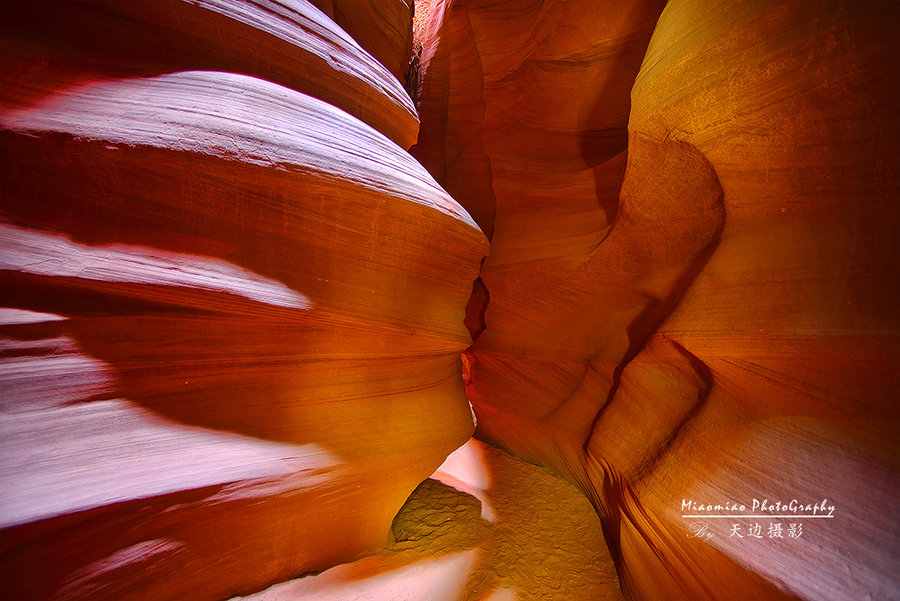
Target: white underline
(757,516)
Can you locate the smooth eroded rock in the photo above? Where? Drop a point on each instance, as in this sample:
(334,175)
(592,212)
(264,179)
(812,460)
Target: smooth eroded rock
(232,339)
(289,42)
(383,27)
(722,328)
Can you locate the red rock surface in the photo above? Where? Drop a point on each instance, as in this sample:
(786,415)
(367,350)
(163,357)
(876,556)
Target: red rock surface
(232,312)
(724,327)
(289,42)
(383,27)
(232,304)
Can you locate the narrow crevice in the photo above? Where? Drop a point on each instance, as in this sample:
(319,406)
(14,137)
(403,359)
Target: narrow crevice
(476,309)
(413,81)
(475,323)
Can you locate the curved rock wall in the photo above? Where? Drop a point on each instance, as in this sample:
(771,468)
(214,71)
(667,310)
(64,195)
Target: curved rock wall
(383,27)
(790,328)
(231,312)
(289,42)
(722,328)
(232,304)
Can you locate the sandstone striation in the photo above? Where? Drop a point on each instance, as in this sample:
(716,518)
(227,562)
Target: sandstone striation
(231,312)
(383,27)
(289,42)
(233,305)
(723,327)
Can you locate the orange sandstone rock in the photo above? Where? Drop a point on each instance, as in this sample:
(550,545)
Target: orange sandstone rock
(382,27)
(232,318)
(232,313)
(724,328)
(791,326)
(288,42)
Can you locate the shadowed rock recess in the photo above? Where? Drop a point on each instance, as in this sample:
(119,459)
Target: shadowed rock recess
(262,260)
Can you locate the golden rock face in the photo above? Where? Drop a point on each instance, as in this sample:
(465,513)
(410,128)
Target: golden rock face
(233,304)
(711,314)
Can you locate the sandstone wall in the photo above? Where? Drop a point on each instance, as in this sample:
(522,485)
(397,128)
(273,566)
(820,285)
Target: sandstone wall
(232,306)
(721,328)
(383,27)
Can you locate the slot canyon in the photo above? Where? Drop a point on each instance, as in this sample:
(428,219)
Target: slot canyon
(466,300)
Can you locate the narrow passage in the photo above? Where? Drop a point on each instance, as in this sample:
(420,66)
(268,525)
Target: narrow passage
(485,527)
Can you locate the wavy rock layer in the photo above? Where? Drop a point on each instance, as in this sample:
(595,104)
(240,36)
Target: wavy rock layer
(231,312)
(289,42)
(722,328)
(382,27)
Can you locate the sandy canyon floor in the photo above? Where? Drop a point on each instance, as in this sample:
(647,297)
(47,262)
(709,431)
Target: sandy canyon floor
(486,527)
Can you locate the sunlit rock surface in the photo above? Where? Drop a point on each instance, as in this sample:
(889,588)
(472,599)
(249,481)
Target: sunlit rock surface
(722,328)
(290,42)
(382,27)
(486,526)
(231,312)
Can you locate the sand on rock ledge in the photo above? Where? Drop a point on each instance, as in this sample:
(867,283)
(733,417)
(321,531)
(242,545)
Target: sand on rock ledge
(485,527)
